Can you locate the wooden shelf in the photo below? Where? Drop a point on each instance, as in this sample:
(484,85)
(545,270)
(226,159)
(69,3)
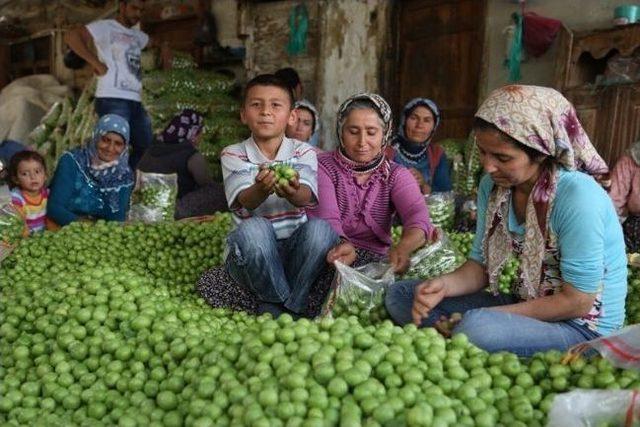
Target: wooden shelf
(178,18)
(31,55)
(610,114)
(227,61)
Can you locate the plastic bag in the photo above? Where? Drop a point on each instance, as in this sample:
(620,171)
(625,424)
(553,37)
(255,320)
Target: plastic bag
(458,173)
(595,408)
(466,169)
(154,198)
(538,33)
(434,259)
(359,292)
(442,209)
(622,348)
(12,229)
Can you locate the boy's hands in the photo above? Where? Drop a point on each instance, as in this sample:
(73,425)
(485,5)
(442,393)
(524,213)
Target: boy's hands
(266,183)
(288,189)
(266,180)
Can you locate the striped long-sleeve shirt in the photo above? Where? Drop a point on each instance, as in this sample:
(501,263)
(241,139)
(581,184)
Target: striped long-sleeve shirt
(240,166)
(33,209)
(364,213)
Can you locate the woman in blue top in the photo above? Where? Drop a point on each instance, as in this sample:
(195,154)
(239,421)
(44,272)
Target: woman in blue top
(412,146)
(539,203)
(95,181)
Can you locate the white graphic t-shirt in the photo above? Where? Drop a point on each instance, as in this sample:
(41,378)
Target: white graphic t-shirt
(119,49)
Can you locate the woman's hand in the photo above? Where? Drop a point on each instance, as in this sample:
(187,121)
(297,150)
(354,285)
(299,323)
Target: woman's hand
(399,258)
(400,255)
(426,297)
(344,252)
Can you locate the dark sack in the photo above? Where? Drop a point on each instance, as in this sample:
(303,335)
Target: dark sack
(73,61)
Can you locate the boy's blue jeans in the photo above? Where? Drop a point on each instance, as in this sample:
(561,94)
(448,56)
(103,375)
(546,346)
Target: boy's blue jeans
(279,271)
(139,123)
(490,330)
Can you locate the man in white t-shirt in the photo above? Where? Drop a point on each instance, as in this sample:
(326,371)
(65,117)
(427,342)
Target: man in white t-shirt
(117,64)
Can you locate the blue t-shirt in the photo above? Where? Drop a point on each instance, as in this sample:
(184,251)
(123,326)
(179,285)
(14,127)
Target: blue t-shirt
(590,242)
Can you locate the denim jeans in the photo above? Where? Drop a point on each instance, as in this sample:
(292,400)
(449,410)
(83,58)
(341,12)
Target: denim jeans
(279,271)
(489,329)
(139,123)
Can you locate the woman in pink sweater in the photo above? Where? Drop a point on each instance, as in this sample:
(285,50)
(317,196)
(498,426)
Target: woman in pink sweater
(625,193)
(360,191)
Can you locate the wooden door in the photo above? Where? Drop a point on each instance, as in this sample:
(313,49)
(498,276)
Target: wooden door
(591,108)
(439,57)
(610,116)
(625,102)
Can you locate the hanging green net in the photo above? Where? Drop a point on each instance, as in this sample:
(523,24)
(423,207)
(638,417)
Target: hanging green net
(515,54)
(298,27)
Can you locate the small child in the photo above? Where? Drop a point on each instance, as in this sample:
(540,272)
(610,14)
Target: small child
(274,252)
(27,177)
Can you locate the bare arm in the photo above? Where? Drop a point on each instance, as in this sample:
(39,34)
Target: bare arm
(252,197)
(300,196)
(80,41)
(467,279)
(569,303)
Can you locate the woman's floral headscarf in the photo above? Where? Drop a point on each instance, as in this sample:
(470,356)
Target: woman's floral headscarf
(384,111)
(542,119)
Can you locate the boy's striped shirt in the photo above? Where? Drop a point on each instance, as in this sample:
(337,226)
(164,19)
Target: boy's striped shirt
(240,166)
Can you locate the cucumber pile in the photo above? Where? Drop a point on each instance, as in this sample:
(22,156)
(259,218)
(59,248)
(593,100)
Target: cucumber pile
(632,305)
(167,92)
(94,334)
(65,126)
